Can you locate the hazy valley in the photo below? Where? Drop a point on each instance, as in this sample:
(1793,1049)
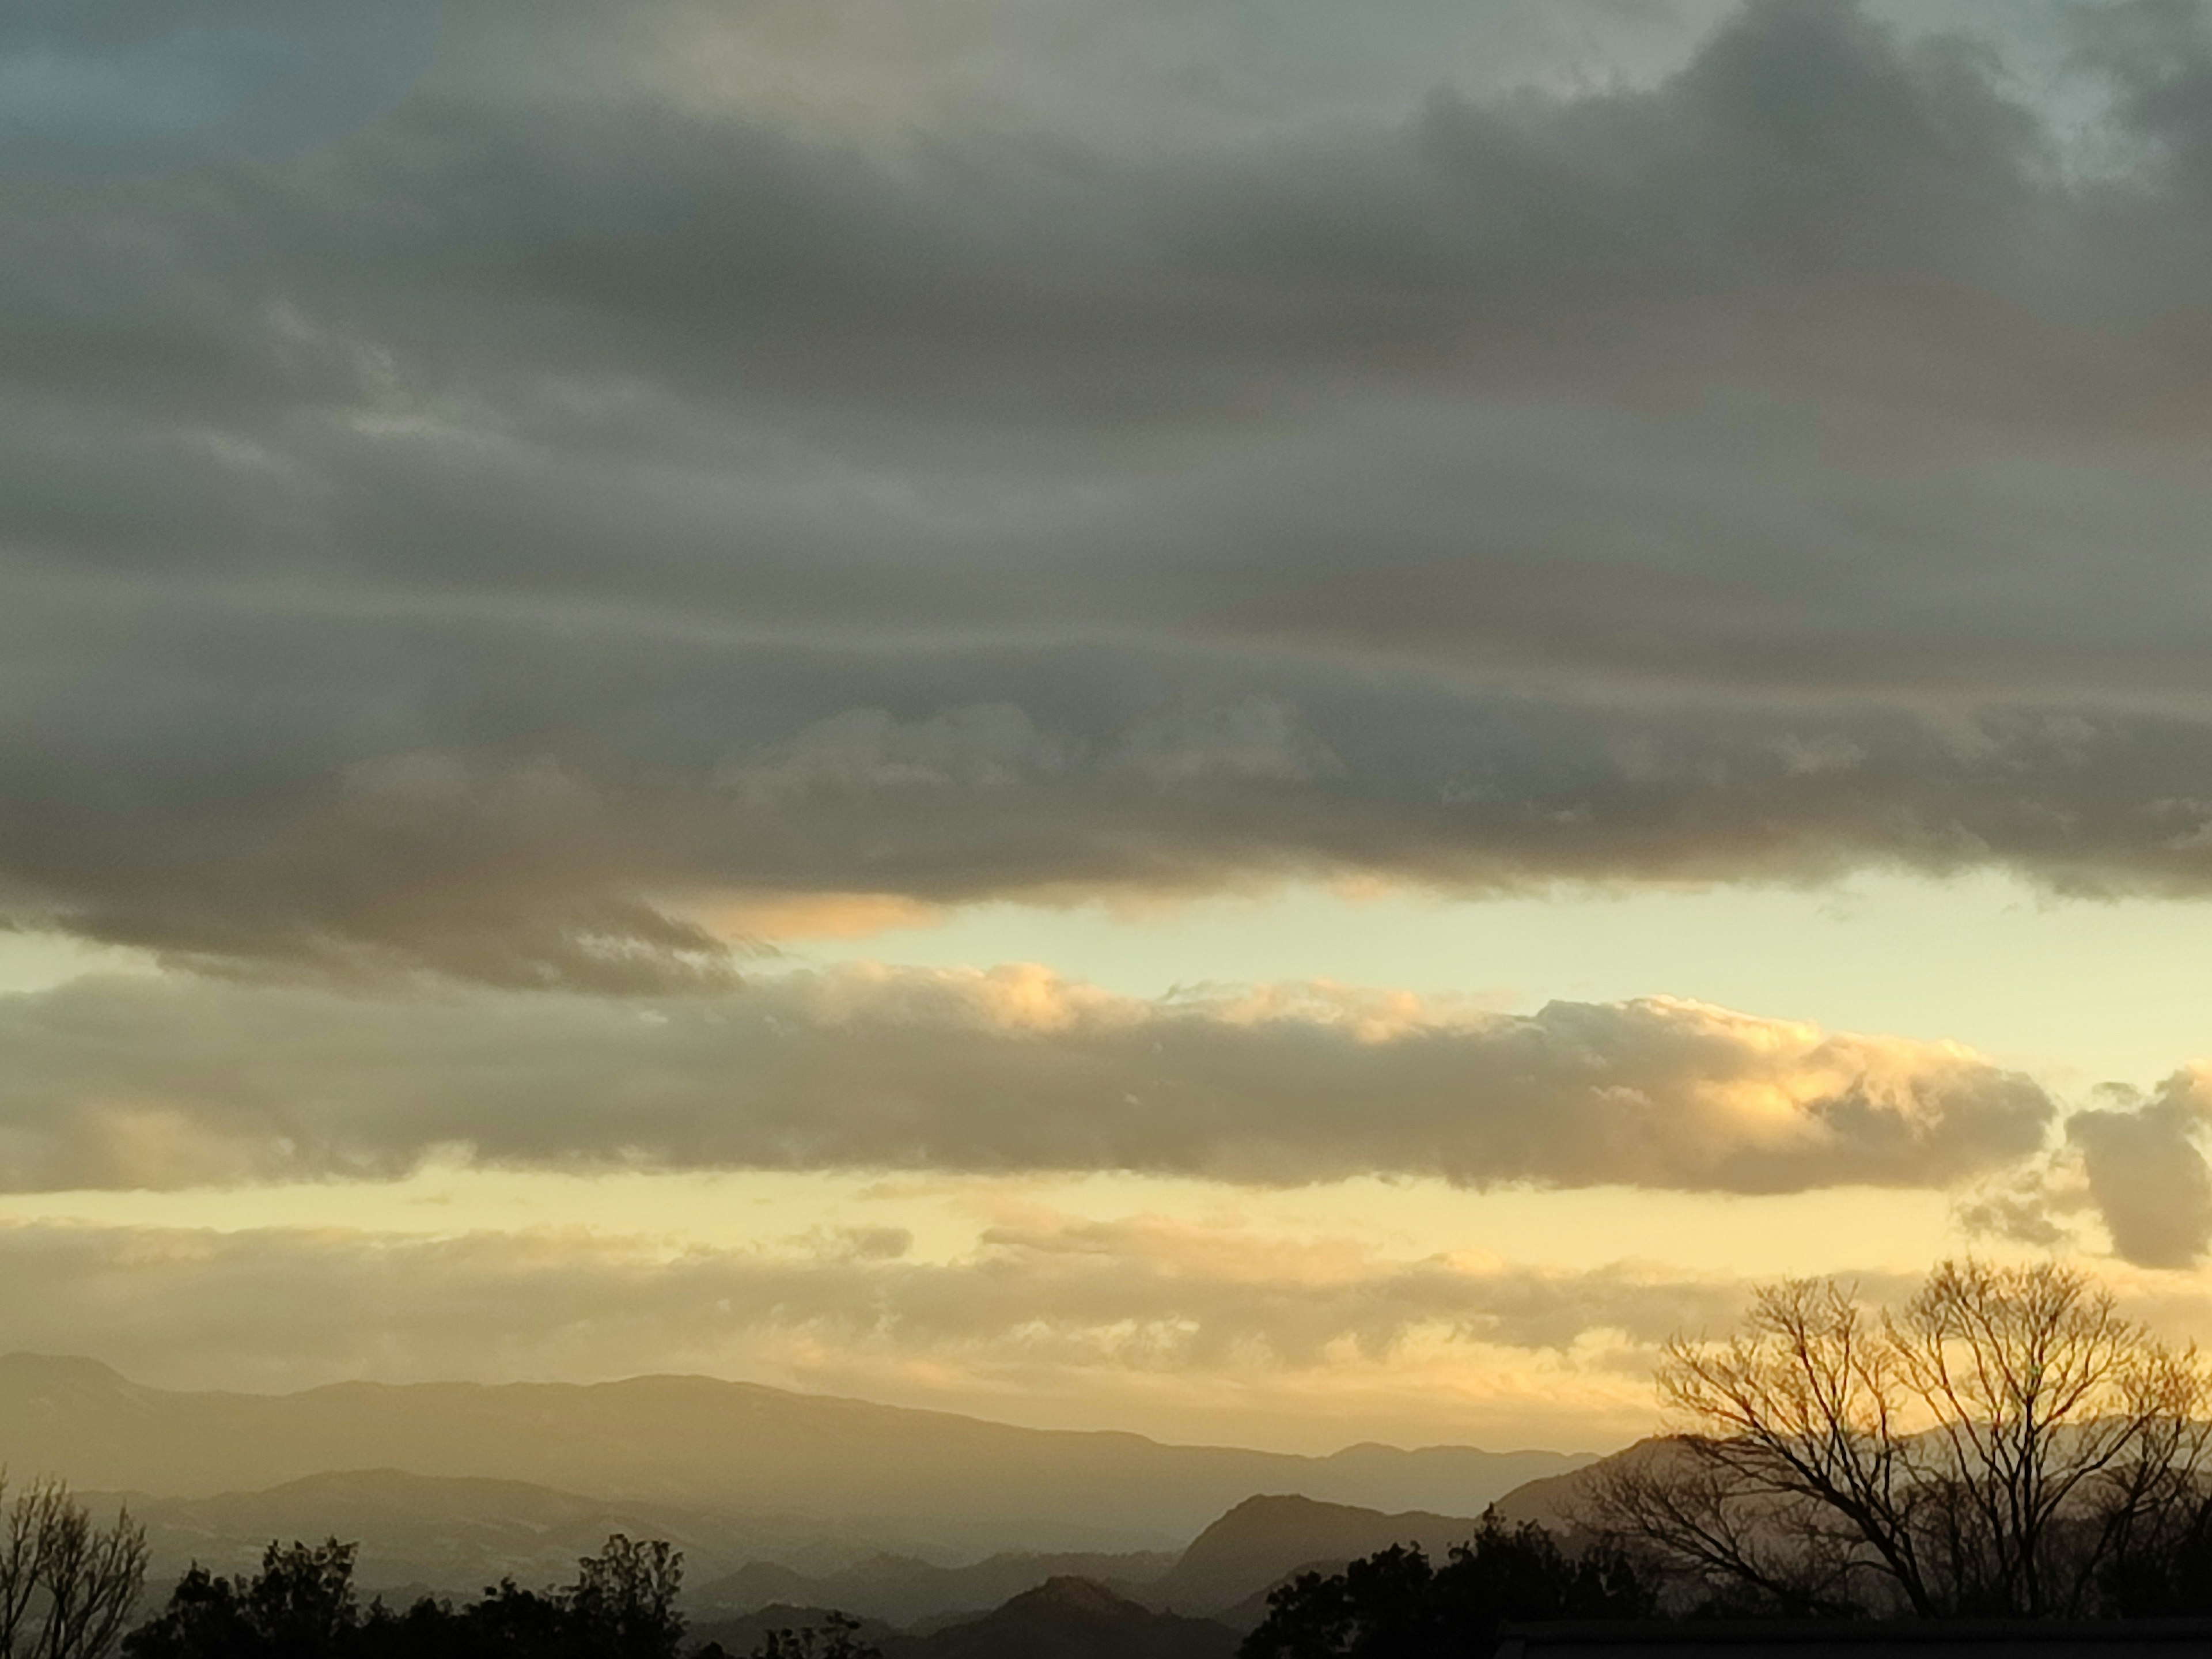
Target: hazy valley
(784,1504)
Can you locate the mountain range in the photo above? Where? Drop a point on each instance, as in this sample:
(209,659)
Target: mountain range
(954,1538)
(816,1470)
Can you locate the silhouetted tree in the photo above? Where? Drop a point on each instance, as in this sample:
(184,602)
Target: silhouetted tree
(2005,1443)
(837,1637)
(623,1601)
(302,1606)
(67,1586)
(205,1616)
(1393,1605)
(302,1601)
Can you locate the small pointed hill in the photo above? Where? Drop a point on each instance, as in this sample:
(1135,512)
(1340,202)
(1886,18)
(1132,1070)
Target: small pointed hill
(1071,1618)
(1264,1541)
(1071,1600)
(905,1590)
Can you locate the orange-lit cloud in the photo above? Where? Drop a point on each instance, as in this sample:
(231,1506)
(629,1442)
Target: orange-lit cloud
(795,916)
(174,1082)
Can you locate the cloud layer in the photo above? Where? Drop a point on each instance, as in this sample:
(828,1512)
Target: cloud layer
(132,1083)
(1038,1306)
(581,484)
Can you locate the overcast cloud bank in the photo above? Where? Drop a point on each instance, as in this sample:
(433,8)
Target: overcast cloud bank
(463,540)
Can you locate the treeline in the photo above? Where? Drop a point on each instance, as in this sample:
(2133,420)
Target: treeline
(302,1605)
(70,1587)
(1396,1605)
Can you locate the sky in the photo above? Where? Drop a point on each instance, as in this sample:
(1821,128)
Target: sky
(1249,719)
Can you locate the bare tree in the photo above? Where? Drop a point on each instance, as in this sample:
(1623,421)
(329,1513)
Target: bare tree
(67,1587)
(2005,1442)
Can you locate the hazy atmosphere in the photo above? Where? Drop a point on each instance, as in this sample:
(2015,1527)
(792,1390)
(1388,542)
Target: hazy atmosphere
(1276,724)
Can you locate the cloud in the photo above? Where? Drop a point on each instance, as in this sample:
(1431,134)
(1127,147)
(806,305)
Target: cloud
(1184,1328)
(249,794)
(278,1307)
(121,87)
(2135,1162)
(120,1082)
(482,540)
(2145,1165)
(2022,1206)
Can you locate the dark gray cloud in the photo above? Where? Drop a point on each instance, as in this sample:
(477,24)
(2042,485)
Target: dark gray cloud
(145,1083)
(459,542)
(241,791)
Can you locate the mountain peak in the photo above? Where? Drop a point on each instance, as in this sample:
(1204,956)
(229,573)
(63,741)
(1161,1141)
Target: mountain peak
(1265,1509)
(1253,1546)
(1073,1601)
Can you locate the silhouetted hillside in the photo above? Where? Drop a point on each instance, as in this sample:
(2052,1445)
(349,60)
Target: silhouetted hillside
(1561,1501)
(903,1590)
(1264,1540)
(1070,1618)
(732,1446)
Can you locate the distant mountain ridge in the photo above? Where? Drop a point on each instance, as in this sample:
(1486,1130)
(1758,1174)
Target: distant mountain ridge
(424,1534)
(736,1448)
(421,1534)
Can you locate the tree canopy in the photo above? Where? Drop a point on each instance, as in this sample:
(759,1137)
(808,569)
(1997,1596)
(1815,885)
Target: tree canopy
(2003,1444)
(301,1605)
(1394,1605)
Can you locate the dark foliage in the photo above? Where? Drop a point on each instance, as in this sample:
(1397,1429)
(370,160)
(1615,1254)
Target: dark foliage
(302,1606)
(2168,1573)
(837,1638)
(1393,1605)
